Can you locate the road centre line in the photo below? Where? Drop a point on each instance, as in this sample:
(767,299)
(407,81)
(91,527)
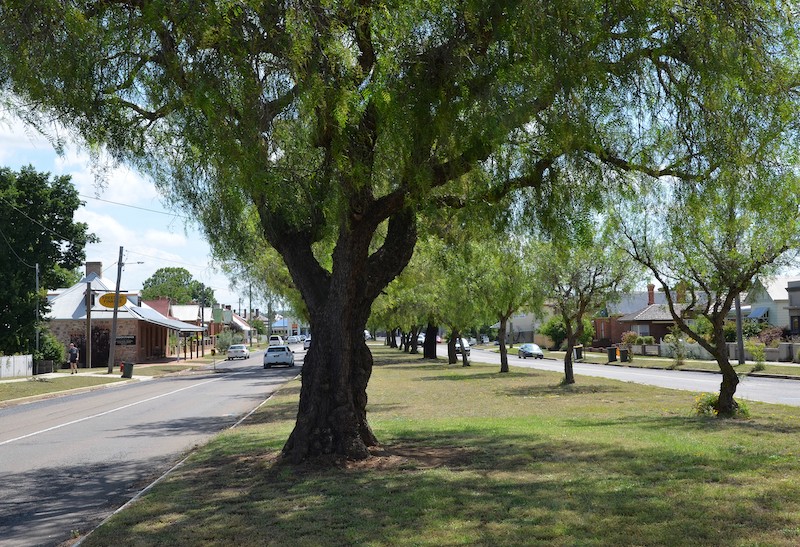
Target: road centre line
(106,412)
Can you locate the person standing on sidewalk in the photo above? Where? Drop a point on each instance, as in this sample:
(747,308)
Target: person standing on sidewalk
(73,353)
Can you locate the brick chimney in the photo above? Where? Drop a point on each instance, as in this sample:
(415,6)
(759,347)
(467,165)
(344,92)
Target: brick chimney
(94,268)
(651,294)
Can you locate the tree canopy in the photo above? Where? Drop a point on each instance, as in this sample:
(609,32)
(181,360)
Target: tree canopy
(334,127)
(178,285)
(37,227)
(705,245)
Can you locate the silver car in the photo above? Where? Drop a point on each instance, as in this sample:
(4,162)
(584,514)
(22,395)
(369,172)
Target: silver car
(238,351)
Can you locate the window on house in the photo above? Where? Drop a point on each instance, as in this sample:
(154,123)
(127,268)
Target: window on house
(642,330)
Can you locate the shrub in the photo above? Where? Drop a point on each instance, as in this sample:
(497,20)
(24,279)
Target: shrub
(629,338)
(678,346)
(705,404)
(771,336)
(649,340)
(757,350)
(555,329)
(50,349)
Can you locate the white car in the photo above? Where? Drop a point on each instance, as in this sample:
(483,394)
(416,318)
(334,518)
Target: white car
(278,355)
(466,346)
(275,340)
(307,342)
(293,340)
(238,351)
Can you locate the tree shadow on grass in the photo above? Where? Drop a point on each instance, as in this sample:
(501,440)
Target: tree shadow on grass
(691,423)
(558,390)
(476,376)
(494,489)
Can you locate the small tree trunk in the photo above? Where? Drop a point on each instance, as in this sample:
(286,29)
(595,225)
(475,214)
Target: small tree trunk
(429,347)
(569,375)
(464,356)
(414,339)
(501,336)
(393,338)
(452,359)
(726,405)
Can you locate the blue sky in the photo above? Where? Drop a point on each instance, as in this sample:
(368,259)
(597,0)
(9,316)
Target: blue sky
(147,231)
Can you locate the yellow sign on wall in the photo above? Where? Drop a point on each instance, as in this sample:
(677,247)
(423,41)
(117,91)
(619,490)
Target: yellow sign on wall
(107,300)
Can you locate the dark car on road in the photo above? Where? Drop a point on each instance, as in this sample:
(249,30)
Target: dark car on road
(530,350)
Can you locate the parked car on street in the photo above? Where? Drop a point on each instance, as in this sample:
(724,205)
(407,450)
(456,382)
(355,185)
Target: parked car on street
(466,346)
(530,350)
(275,340)
(238,351)
(293,340)
(307,342)
(278,355)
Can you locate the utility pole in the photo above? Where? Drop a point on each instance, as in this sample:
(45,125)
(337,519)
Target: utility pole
(37,309)
(113,342)
(249,313)
(203,324)
(88,349)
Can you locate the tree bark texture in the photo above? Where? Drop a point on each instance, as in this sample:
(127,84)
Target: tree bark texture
(569,375)
(332,418)
(501,336)
(452,358)
(429,347)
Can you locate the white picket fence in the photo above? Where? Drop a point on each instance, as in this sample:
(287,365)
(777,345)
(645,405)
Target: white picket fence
(16,365)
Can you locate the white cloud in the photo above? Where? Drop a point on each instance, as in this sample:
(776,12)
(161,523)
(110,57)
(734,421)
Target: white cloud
(149,236)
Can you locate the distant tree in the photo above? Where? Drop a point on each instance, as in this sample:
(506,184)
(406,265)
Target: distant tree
(178,285)
(713,240)
(37,226)
(579,279)
(507,284)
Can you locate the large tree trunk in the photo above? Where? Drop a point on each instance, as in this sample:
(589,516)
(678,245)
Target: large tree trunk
(429,347)
(331,417)
(501,336)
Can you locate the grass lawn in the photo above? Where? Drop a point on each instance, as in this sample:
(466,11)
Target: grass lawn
(642,361)
(474,457)
(42,386)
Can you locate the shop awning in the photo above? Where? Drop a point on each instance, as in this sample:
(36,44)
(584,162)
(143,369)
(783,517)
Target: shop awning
(152,316)
(758,313)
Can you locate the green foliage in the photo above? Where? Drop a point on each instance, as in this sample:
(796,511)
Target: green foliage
(555,329)
(37,227)
(757,349)
(50,348)
(706,404)
(178,285)
(259,325)
(678,345)
(750,329)
(224,341)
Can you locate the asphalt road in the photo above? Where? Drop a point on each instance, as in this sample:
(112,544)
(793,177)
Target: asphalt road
(67,463)
(768,390)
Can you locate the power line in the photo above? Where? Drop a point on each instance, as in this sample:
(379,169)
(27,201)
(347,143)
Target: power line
(59,236)
(135,207)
